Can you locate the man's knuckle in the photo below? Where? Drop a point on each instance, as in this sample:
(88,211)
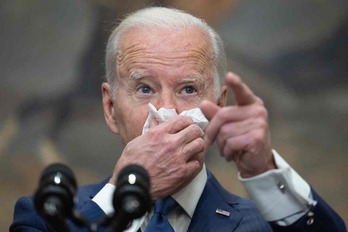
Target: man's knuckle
(258,137)
(262,113)
(227,148)
(200,144)
(262,124)
(225,129)
(186,150)
(169,145)
(180,122)
(196,130)
(259,101)
(223,114)
(155,133)
(182,173)
(184,121)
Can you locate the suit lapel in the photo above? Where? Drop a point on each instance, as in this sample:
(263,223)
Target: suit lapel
(206,218)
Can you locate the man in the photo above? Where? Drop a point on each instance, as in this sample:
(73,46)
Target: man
(174,61)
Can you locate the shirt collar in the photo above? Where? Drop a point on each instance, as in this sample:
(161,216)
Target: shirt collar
(188,197)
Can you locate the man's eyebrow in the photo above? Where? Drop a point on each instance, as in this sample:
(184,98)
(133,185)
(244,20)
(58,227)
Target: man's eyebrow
(190,79)
(136,75)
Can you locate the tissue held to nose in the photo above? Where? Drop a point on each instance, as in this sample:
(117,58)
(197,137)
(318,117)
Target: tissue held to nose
(163,115)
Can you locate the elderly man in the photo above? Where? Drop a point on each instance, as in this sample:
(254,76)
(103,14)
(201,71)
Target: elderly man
(163,60)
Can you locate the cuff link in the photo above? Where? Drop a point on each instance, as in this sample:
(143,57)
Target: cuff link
(310,215)
(310,219)
(281,187)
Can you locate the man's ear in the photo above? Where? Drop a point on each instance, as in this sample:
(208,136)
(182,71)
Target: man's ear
(108,105)
(222,101)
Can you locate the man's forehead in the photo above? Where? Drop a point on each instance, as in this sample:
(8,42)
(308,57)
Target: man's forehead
(165,37)
(183,52)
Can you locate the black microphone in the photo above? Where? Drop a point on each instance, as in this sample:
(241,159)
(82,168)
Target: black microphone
(54,198)
(132,197)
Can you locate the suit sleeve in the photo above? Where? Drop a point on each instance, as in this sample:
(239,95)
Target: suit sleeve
(25,217)
(321,218)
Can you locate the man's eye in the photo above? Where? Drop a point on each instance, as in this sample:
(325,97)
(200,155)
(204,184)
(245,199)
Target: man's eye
(145,89)
(189,89)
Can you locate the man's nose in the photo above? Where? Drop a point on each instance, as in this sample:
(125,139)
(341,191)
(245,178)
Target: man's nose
(166,101)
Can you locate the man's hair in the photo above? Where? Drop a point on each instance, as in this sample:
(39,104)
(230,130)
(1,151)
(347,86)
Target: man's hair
(164,17)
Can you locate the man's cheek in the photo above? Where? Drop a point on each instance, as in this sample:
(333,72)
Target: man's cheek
(138,127)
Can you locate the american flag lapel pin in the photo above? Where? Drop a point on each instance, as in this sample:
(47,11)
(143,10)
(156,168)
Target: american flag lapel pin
(223,212)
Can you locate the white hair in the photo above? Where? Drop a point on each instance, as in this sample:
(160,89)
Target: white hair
(164,17)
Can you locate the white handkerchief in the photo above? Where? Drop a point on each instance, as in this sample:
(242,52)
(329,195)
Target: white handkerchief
(163,115)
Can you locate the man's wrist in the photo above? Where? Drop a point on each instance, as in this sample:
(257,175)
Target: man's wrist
(271,165)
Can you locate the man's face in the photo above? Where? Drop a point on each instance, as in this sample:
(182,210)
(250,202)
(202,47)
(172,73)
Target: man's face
(166,67)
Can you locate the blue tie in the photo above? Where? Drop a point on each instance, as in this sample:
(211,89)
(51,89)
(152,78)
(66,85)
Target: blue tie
(159,220)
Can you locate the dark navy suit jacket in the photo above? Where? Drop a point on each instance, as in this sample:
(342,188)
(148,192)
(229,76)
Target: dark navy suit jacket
(243,214)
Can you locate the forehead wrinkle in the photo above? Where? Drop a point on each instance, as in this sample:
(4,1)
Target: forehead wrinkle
(128,53)
(195,59)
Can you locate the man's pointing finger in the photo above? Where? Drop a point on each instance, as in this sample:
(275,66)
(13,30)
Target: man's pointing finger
(241,92)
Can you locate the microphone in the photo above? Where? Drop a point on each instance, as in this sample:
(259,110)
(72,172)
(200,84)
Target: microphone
(132,197)
(54,199)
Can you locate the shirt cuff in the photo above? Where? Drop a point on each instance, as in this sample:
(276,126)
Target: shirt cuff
(104,198)
(280,194)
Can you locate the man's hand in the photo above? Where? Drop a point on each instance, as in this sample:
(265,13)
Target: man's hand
(241,130)
(168,152)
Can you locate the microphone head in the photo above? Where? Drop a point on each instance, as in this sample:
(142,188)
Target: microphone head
(61,168)
(132,194)
(56,191)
